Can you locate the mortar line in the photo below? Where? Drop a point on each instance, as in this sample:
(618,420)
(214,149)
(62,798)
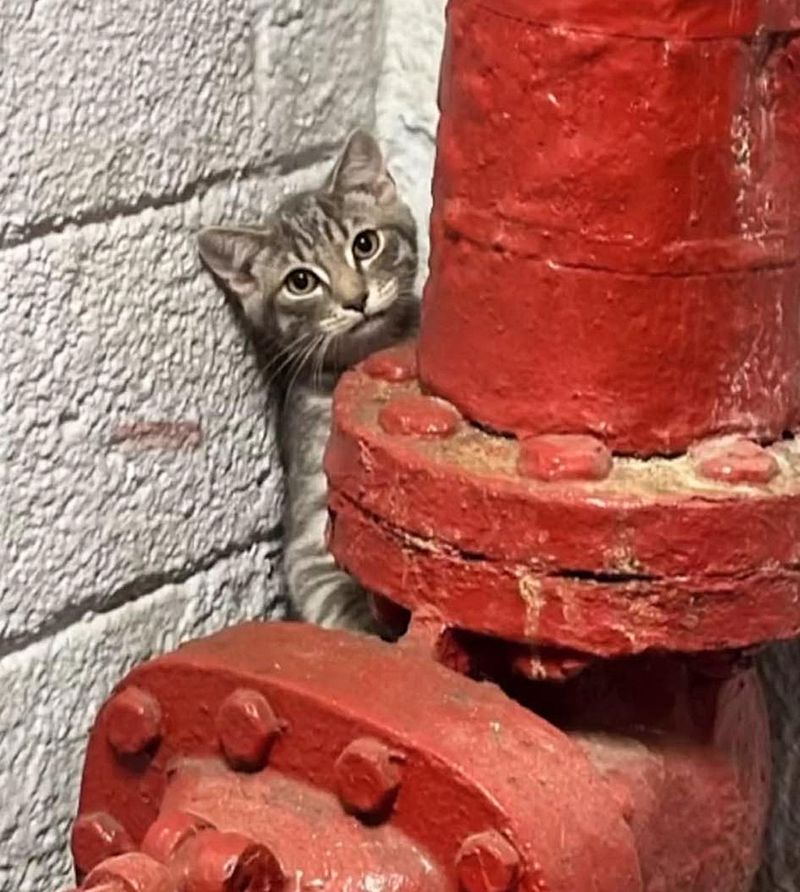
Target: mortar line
(280,165)
(141,586)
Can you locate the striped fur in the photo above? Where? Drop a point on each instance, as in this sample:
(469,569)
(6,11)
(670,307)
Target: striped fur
(327,280)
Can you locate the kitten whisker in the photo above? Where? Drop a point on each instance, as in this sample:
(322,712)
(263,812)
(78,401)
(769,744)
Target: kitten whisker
(290,354)
(321,360)
(306,354)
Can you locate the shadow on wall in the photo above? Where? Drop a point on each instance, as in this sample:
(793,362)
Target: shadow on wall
(780,670)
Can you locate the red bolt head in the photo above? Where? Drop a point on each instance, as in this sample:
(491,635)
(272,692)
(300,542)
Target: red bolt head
(133,721)
(735,460)
(95,837)
(395,364)
(247,728)
(487,862)
(368,776)
(133,872)
(169,832)
(556,457)
(230,862)
(419,416)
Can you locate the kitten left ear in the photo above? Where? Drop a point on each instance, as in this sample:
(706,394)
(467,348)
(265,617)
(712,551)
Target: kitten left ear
(229,254)
(362,168)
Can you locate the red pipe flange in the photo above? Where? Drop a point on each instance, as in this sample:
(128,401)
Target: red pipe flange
(387,767)
(615,280)
(598,555)
(384,763)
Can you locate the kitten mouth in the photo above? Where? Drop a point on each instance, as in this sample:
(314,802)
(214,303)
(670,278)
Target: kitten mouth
(367,321)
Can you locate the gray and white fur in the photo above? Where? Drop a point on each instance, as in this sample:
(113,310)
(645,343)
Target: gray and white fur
(328,279)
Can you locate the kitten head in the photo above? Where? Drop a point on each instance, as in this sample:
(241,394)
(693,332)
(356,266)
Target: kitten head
(329,278)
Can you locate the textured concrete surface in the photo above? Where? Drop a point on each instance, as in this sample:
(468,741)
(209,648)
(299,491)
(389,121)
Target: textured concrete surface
(138,478)
(112,106)
(315,66)
(111,327)
(107,108)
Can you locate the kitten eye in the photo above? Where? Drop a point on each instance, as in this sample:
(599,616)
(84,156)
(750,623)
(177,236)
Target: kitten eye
(301,282)
(366,244)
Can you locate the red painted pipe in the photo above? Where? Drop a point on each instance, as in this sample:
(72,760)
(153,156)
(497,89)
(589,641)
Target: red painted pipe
(271,758)
(616,229)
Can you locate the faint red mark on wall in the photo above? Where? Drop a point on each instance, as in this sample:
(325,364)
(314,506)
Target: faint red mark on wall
(158,434)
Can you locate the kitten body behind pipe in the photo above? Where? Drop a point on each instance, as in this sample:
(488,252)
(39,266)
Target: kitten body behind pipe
(328,279)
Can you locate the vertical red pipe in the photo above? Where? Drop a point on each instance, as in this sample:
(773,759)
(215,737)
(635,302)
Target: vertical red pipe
(616,231)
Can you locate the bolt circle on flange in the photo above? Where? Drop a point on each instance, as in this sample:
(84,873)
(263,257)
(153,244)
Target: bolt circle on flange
(95,837)
(247,728)
(419,416)
(133,722)
(230,862)
(487,862)
(564,457)
(368,776)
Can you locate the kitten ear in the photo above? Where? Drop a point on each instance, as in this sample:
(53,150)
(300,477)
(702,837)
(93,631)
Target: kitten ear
(362,168)
(229,254)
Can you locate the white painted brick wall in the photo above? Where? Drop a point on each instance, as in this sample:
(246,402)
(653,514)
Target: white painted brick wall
(124,126)
(406,111)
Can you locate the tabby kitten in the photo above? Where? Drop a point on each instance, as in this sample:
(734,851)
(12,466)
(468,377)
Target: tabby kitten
(327,280)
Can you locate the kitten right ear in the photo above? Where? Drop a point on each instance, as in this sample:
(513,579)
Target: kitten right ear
(229,254)
(362,167)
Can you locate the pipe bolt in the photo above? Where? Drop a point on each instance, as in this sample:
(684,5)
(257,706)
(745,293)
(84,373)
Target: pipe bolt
(133,722)
(169,832)
(368,776)
(735,460)
(247,728)
(488,862)
(567,457)
(95,837)
(397,364)
(413,415)
(230,862)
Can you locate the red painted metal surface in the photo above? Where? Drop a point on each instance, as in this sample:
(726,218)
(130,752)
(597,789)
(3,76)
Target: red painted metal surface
(616,228)
(386,764)
(390,769)
(665,554)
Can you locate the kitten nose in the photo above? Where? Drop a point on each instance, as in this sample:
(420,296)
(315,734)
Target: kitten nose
(356,301)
